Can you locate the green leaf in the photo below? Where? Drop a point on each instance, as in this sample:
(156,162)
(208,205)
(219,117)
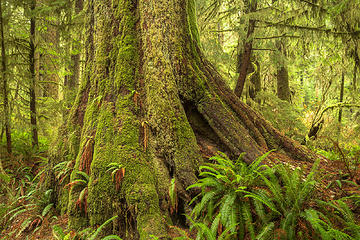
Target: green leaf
(98,230)
(47,209)
(266,231)
(111,237)
(58,232)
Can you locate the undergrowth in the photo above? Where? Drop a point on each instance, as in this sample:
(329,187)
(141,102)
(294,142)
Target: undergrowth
(236,200)
(239,201)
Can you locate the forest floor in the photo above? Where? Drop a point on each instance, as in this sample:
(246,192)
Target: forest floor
(331,172)
(335,182)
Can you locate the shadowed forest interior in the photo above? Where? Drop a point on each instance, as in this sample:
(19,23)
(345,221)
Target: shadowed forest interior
(179,119)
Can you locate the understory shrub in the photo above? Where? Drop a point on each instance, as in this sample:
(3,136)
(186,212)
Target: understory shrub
(240,201)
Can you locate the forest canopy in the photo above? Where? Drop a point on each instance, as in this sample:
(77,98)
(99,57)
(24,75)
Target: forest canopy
(179,119)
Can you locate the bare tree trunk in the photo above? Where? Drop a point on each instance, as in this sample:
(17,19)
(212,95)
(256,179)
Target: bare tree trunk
(34,128)
(7,117)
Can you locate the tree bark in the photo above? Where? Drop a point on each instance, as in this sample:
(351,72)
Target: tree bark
(7,117)
(342,83)
(75,59)
(356,66)
(71,82)
(246,56)
(255,81)
(48,61)
(152,103)
(34,129)
(283,89)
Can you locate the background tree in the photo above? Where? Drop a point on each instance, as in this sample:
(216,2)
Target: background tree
(5,86)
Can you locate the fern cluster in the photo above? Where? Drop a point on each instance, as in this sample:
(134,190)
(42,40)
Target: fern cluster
(239,201)
(229,193)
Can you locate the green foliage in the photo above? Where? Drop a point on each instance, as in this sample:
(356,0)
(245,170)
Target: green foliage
(228,190)
(117,173)
(38,208)
(80,183)
(349,155)
(63,170)
(282,114)
(21,143)
(86,234)
(259,202)
(173,196)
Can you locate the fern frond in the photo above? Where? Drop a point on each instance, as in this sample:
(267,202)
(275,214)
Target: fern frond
(288,224)
(255,164)
(98,230)
(83,175)
(265,201)
(275,189)
(266,232)
(226,207)
(248,219)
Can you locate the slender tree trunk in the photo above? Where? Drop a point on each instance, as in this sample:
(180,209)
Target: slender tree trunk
(150,102)
(356,67)
(34,128)
(283,89)
(341,97)
(355,71)
(255,80)
(246,55)
(71,82)
(48,61)
(7,117)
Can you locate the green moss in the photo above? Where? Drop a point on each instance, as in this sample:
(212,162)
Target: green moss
(145,200)
(192,22)
(186,144)
(113,115)
(117,128)
(74,142)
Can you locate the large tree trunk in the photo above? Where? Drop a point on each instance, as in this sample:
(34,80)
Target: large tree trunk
(151,102)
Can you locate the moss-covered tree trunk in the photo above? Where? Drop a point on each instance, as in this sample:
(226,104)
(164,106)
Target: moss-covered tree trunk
(150,102)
